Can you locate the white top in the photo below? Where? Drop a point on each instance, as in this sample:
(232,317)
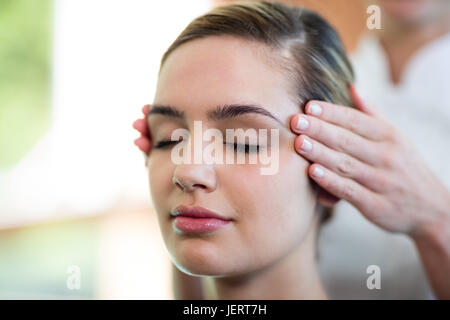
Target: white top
(420,108)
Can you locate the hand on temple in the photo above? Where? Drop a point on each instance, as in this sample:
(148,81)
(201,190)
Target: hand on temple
(358,156)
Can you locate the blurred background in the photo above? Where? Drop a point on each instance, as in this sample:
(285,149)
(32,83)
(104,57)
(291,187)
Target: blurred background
(73,187)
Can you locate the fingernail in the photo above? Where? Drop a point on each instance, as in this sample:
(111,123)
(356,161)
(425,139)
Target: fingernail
(302,123)
(306,145)
(315,109)
(317,172)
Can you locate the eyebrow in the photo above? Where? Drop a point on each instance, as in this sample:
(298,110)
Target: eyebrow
(219,113)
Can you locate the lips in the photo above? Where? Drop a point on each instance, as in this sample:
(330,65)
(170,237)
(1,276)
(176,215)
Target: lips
(197,220)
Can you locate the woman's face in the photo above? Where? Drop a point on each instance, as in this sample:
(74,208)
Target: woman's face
(269,215)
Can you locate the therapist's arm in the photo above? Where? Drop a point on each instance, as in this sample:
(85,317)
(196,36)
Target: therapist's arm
(433,245)
(358,156)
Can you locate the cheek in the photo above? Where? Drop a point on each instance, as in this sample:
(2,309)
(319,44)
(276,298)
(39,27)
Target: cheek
(275,212)
(160,171)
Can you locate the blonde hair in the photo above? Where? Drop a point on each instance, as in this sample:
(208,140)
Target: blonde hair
(310,50)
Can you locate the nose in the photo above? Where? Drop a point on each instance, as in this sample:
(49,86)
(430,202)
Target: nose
(192,177)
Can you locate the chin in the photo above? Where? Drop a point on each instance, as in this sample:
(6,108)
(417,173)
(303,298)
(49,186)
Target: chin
(200,257)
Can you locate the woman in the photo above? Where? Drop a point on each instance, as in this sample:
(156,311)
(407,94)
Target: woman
(279,58)
(252,60)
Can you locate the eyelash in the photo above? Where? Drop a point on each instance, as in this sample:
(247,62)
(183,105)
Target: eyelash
(246,147)
(165,144)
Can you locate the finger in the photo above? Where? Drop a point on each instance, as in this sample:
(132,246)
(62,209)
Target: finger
(145,110)
(144,144)
(141,126)
(344,188)
(340,163)
(352,119)
(336,138)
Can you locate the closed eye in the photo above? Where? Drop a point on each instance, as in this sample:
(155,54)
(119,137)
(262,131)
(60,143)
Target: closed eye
(246,148)
(164,144)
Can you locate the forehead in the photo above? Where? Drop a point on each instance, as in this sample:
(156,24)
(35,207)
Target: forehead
(211,71)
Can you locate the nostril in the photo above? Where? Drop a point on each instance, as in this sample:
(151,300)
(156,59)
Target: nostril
(201,186)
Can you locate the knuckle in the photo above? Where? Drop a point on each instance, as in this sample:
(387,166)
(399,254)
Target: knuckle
(392,134)
(344,142)
(354,126)
(385,155)
(383,182)
(346,166)
(399,187)
(388,157)
(352,121)
(348,191)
